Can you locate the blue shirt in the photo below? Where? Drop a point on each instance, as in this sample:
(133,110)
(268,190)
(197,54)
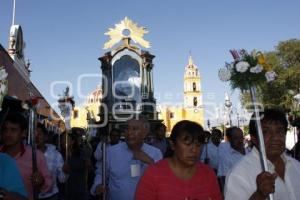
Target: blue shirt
(228,159)
(210,150)
(122,181)
(10,178)
(161,144)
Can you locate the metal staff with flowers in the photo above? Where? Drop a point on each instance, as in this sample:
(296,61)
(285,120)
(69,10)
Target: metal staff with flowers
(3,84)
(31,104)
(66,104)
(247,72)
(3,90)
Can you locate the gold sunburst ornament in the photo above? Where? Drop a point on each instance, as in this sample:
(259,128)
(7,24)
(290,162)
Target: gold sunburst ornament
(126,29)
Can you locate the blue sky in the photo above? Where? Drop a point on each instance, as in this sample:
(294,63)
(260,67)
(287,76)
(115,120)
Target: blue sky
(64,38)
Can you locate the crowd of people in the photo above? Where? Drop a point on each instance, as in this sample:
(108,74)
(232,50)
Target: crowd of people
(192,164)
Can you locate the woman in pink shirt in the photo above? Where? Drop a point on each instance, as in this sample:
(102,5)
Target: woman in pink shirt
(181,176)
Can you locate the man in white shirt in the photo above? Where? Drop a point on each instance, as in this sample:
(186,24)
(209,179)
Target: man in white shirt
(233,153)
(160,140)
(247,180)
(54,161)
(210,150)
(114,138)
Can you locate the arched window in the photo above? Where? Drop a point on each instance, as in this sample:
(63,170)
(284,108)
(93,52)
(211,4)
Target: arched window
(75,114)
(195,101)
(171,115)
(194,87)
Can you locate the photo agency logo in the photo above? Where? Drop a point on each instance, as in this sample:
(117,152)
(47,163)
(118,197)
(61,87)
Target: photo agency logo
(125,97)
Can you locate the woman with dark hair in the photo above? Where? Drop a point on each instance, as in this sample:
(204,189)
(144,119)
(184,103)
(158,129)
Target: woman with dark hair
(180,176)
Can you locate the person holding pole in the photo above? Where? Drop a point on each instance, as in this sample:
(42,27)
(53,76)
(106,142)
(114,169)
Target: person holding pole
(126,162)
(13,129)
(247,180)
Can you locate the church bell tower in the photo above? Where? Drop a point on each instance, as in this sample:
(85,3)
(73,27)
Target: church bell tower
(193,104)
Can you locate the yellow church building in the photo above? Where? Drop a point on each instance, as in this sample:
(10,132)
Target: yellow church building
(192,108)
(88,111)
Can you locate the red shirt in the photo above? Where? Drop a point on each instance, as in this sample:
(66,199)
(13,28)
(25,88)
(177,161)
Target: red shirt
(160,183)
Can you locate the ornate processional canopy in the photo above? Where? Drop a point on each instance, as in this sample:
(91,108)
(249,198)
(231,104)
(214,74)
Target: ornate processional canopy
(126,29)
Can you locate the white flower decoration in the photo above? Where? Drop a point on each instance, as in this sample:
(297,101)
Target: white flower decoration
(242,66)
(2,88)
(270,76)
(224,74)
(229,66)
(257,69)
(3,74)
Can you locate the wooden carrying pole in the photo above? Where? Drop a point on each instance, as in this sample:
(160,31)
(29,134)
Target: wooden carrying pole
(31,134)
